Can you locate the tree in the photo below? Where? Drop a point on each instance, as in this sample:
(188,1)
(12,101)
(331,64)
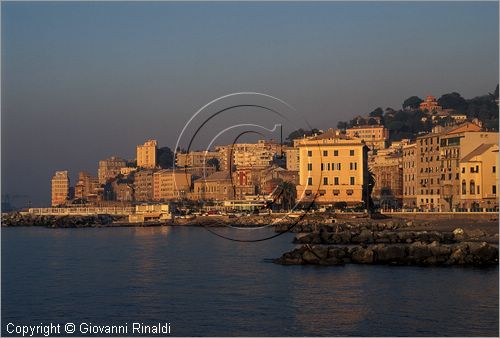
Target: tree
(165,157)
(378,112)
(284,194)
(453,101)
(413,102)
(342,125)
(214,162)
(372,121)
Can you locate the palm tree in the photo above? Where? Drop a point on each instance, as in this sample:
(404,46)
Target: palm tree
(285,194)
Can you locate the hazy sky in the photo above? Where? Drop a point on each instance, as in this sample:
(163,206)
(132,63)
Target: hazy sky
(84,81)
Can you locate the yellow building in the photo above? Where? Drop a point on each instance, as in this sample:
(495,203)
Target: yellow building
(60,187)
(454,145)
(374,136)
(110,168)
(146,154)
(479,178)
(332,169)
(169,184)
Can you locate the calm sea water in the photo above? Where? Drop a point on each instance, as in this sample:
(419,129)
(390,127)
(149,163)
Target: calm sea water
(205,285)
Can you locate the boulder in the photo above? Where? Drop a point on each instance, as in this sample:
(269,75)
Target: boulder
(361,255)
(395,253)
(418,252)
(459,234)
(365,236)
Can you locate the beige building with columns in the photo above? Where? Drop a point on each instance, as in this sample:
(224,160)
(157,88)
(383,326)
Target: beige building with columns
(374,136)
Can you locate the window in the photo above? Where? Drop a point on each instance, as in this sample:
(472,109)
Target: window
(336,181)
(494,169)
(464,187)
(335,153)
(322,167)
(494,189)
(309,153)
(477,168)
(328,166)
(471,169)
(351,152)
(339,166)
(472,188)
(325,180)
(309,181)
(478,190)
(352,181)
(309,166)
(350,192)
(325,152)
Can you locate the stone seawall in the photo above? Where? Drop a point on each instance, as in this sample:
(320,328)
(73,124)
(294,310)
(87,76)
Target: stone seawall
(17,219)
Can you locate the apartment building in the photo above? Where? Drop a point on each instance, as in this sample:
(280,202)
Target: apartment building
(87,186)
(374,136)
(195,158)
(292,155)
(60,188)
(170,184)
(260,154)
(143,185)
(479,178)
(217,187)
(454,145)
(333,168)
(110,168)
(410,175)
(146,154)
(387,169)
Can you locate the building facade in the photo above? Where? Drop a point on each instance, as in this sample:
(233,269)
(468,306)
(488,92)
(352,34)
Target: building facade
(374,136)
(409,175)
(60,188)
(146,154)
(260,154)
(333,168)
(479,178)
(110,168)
(292,156)
(169,184)
(216,187)
(195,158)
(387,169)
(143,185)
(87,187)
(430,104)
(454,145)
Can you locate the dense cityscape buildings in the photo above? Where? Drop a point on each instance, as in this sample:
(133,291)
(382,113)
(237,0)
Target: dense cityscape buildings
(451,167)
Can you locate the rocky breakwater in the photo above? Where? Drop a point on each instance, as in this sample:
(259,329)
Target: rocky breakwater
(365,235)
(417,253)
(18,219)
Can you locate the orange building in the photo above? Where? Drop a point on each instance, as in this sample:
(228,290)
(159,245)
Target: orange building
(430,104)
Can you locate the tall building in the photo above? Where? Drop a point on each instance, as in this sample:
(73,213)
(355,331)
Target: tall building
(87,186)
(146,154)
(387,169)
(428,170)
(169,184)
(143,185)
(333,168)
(60,188)
(456,143)
(479,178)
(292,155)
(374,136)
(409,175)
(110,168)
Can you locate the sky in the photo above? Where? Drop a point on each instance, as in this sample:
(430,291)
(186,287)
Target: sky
(84,81)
